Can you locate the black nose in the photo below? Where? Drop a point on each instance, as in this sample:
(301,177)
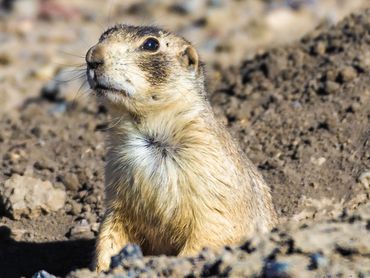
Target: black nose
(95,57)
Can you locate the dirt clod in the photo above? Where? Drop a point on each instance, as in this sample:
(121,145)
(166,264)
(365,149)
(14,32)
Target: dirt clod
(29,197)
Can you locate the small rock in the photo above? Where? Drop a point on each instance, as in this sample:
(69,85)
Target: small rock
(320,48)
(331,87)
(71,181)
(95,227)
(90,217)
(317,261)
(91,199)
(364,179)
(43,274)
(296,104)
(347,74)
(129,252)
(182,268)
(331,75)
(17,234)
(276,269)
(86,208)
(318,161)
(45,163)
(81,230)
(75,207)
(24,196)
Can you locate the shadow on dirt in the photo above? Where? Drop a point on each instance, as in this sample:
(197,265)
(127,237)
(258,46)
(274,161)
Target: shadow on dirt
(24,258)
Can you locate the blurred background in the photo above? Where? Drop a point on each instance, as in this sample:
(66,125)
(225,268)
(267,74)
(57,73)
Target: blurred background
(43,42)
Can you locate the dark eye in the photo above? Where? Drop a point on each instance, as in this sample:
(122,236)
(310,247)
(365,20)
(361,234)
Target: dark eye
(150,44)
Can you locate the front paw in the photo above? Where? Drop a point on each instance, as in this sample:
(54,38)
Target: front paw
(102,263)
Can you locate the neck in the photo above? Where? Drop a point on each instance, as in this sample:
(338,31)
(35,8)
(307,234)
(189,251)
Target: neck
(177,110)
(176,101)
(176,114)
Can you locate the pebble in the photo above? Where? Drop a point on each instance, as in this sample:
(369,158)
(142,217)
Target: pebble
(43,274)
(76,207)
(95,227)
(129,252)
(17,234)
(331,87)
(24,196)
(43,162)
(317,261)
(276,269)
(364,179)
(347,74)
(318,161)
(91,217)
(81,230)
(182,268)
(296,104)
(71,181)
(320,48)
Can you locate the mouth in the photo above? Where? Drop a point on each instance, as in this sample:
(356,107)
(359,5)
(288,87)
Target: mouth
(105,89)
(101,86)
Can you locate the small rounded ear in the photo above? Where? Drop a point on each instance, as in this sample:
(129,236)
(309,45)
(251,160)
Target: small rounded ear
(189,58)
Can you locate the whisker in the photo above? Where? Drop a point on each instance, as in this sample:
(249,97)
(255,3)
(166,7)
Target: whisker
(79,93)
(59,80)
(71,54)
(81,70)
(69,65)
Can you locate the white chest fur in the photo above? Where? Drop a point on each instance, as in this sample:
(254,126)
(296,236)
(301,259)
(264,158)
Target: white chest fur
(148,155)
(146,166)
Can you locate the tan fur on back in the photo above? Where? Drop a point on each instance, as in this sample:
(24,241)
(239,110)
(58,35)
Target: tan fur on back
(175,180)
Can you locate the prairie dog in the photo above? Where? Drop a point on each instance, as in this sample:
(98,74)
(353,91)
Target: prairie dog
(175,179)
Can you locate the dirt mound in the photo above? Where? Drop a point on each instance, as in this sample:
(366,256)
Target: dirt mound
(301,113)
(321,249)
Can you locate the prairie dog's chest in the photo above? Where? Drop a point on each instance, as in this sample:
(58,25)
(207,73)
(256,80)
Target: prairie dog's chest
(144,168)
(157,147)
(145,158)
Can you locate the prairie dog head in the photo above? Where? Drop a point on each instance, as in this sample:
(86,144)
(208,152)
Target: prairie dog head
(143,69)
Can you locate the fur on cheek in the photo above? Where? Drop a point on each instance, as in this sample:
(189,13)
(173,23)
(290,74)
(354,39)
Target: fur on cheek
(156,68)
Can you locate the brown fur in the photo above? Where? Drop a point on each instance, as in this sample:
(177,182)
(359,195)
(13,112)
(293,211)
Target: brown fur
(175,179)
